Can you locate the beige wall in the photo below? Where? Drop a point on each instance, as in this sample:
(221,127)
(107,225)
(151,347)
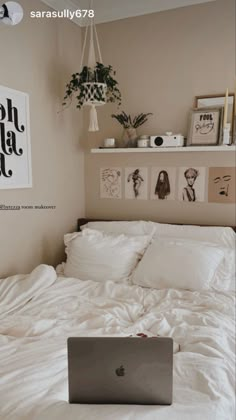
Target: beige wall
(163,60)
(37,57)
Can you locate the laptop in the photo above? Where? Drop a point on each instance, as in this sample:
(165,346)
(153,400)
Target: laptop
(120,370)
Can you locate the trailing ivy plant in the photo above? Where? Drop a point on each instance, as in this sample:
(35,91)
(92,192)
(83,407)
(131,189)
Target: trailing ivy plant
(100,74)
(127,122)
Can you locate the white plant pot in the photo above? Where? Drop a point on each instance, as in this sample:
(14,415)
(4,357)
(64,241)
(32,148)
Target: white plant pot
(95,93)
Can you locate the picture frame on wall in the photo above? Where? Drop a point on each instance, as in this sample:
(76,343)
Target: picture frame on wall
(110,182)
(163,183)
(218,100)
(136,183)
(15,146)
(192,184)
(221,185)
(205,126)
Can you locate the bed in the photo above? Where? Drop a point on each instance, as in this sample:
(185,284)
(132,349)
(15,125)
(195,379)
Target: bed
(39,311)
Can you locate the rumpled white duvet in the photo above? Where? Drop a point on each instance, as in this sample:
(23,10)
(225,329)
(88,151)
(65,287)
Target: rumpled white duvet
(39,311)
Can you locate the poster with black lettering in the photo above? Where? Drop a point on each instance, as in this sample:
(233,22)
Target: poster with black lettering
(15,151)
(204,127)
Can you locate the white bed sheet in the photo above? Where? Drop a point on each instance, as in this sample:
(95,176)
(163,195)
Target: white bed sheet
(38,312)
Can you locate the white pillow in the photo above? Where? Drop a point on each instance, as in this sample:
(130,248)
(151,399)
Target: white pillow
(178,264)
(223,236)
(93,255)
(139,227)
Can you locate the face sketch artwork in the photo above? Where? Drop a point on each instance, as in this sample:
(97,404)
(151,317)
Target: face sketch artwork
(162,189)
(137,181)
(110,178)
(191,175)
(223,184)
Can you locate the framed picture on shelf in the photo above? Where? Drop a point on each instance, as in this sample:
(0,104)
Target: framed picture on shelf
(205,127)
(218,100)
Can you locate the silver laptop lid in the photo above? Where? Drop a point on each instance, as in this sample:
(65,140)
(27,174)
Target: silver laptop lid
(117,370)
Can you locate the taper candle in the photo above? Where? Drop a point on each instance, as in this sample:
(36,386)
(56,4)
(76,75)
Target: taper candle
(226,107)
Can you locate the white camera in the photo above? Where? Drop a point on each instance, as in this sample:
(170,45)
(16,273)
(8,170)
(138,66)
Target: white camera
(168,140)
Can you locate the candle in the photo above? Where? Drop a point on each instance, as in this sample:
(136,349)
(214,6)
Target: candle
(226,107)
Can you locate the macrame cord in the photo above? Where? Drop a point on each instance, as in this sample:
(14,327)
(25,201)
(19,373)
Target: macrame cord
(94,92)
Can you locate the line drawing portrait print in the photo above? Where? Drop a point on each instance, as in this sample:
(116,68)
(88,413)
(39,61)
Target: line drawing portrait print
(189,193)
(137,180)
(221,185)
(136,183)
(110,182)
(191,183)
(162,189)
(163,183)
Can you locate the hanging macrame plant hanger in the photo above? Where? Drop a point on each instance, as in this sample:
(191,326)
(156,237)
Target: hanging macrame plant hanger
(94,91)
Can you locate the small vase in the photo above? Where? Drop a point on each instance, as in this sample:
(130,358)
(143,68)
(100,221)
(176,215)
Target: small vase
(132,137)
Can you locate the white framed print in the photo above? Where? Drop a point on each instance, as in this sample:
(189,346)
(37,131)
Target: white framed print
(191,184)
(110,182)
(136,183)
(163,183)
(15,150)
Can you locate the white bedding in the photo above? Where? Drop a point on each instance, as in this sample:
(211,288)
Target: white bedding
(38,312)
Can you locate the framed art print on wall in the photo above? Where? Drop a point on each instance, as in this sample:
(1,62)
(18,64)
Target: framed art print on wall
(136,183)
(218,100)
(15,150)
(163,183)
(110,182)
(204,127)
(191,184)
(221,185)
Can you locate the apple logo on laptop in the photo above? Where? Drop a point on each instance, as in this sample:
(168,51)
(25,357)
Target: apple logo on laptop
(120,371)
